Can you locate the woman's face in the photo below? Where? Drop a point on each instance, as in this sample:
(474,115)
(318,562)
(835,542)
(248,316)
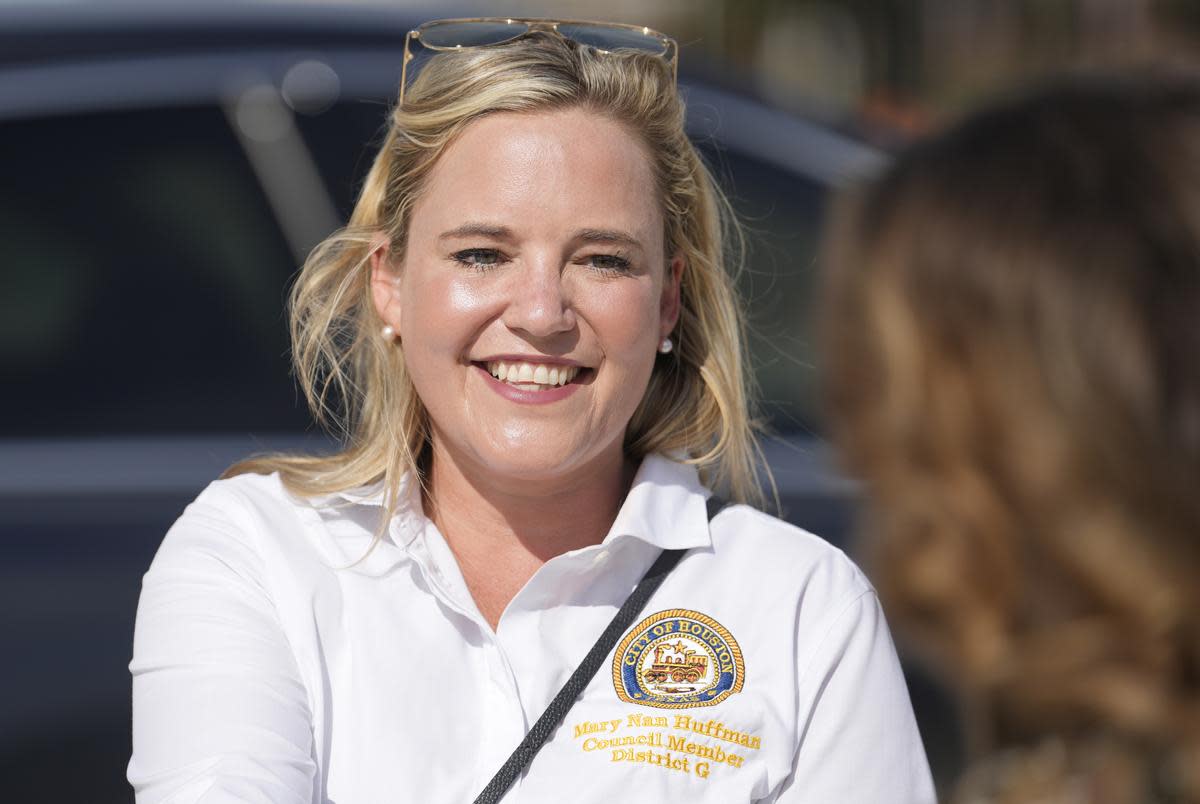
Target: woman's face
(533,293)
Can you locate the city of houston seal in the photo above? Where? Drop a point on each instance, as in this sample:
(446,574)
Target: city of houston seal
(678,659)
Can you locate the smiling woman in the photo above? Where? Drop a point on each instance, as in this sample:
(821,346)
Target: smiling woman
(560,267)
(531,332)
(565,266)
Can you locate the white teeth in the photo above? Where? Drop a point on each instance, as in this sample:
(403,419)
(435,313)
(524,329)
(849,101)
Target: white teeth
(532,374)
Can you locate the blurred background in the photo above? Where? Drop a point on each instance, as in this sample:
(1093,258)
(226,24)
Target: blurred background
(164,169)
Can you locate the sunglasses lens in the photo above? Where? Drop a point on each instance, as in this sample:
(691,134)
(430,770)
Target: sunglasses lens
(470,34)
(603,37)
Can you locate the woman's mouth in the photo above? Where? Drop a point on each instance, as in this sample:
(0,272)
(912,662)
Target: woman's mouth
(527,376)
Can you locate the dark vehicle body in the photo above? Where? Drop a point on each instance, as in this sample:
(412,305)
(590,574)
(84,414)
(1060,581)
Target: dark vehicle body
(163,172)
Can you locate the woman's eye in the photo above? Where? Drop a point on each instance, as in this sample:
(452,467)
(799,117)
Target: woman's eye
(609,263)
(481,258)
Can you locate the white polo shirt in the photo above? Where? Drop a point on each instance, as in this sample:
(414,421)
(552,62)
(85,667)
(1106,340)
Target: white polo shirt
(267,670)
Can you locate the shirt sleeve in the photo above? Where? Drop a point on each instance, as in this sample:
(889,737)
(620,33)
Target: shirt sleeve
(858,739)
(220,713)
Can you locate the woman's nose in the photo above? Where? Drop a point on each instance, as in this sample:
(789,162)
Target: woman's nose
(539,304)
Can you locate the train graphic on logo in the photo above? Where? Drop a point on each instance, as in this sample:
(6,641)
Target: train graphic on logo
(675,662)
(678,659)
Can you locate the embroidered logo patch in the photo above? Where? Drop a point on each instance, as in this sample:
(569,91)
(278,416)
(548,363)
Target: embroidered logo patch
(678,659)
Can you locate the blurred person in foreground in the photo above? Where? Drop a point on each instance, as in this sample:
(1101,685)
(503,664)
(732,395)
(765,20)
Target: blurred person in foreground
(532,323)
(1012,362)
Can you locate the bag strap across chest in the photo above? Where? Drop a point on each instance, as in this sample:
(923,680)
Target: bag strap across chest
(566,697)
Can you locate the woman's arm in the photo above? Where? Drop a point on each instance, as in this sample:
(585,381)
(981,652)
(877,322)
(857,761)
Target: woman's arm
(858,740)
(220,713)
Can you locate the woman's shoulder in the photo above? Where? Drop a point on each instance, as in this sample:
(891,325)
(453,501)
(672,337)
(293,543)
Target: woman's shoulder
(777,547)
(243,499)
(234,518)
(259,517)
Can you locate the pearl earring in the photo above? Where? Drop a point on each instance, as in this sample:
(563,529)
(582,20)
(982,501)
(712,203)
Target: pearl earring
(388,333)
(666,346)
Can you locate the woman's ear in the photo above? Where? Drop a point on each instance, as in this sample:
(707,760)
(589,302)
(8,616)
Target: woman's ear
(385,283)
(669,306)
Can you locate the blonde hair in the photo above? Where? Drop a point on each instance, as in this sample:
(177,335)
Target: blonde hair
(697,402)
(1012,365)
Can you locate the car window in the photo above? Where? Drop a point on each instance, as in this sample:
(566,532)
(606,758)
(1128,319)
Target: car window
(143,276)
(781,215)
(343,141)
(148,273)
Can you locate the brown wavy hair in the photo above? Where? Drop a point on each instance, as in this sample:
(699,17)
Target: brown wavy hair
(1011,330)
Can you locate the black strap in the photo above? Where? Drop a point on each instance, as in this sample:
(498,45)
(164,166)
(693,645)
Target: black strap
(715,505)
(562,703)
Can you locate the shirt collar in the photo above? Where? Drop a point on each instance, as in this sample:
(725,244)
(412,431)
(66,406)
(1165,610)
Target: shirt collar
(409,516)
(665,507)
(370,494)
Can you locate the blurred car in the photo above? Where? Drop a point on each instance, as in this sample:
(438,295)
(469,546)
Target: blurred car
(165,170)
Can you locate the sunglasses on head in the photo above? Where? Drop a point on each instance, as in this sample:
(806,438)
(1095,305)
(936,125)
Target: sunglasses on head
(605,37)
